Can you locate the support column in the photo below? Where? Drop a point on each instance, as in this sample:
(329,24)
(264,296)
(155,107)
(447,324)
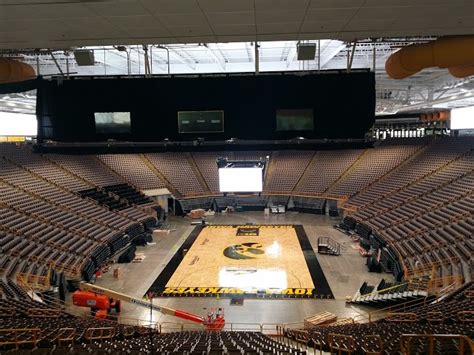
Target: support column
(56,62)
(350,58)
(257,58)
(67,66)
(146,61)
(105,65)
(319,55)
(374,57)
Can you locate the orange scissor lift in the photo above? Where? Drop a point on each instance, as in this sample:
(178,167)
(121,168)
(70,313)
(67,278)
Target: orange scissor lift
(102,301)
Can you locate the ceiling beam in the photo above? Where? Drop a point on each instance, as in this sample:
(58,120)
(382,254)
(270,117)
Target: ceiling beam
(220,61)
(179,57)
(330,51)
(430,103)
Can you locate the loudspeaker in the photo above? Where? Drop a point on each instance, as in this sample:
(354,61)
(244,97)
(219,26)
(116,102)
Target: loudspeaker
(306,51)
(84,57)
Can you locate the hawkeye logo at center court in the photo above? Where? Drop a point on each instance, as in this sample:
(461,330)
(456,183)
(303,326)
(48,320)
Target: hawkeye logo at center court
(244,251)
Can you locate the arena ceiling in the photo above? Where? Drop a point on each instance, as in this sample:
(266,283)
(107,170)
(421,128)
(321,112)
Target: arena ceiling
(70,23)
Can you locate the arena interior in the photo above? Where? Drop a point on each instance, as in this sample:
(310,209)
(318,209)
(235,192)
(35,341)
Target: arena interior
(247,177)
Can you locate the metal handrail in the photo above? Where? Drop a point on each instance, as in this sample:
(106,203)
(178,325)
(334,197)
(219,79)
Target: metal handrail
(405,342)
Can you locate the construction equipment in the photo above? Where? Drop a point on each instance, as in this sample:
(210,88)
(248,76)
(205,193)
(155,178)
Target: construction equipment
(101,301)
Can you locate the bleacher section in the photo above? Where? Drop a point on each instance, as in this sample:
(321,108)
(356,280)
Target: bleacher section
(434,157)
(45,324)
(426,214)
(373,165)
(325,168)
(177,170)
(133,169)
(206,162)
(410,204)
(446,317)
(285,170)
(411,198)
(88,167)
(47,225)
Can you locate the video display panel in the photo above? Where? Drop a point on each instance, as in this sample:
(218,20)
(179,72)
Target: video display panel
(295,120)
(112,122)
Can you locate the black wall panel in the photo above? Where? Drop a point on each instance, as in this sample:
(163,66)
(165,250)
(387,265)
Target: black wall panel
(343,105)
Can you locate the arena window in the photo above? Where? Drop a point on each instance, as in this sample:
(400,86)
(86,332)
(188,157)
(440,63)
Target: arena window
(15,127)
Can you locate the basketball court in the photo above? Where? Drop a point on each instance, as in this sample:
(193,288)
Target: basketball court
(267,261)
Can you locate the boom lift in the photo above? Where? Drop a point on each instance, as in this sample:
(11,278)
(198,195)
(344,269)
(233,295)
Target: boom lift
(102,300)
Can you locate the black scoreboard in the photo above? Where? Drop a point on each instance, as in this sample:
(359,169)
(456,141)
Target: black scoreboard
(201,121)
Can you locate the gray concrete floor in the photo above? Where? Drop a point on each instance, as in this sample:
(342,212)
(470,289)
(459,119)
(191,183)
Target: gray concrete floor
(344,274)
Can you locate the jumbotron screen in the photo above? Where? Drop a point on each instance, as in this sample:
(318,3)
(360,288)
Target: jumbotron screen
(241,179)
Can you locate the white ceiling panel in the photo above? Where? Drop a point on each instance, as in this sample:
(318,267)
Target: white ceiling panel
(172,6)
(275,28)
(118,8)
(279,16)
(231,18)
(372,13)
(50,11)
(230,30)
(368,25)
(182,20)
(191,31)
(336,4)
(133,21)
(330,14)
(267,5)
(322,26)
(203,37)
(226,5)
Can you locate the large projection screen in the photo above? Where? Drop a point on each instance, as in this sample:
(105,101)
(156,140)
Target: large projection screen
(240,180)
(462,118)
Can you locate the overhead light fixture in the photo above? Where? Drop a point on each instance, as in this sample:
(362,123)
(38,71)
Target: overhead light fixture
(306,51)
(84,57)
